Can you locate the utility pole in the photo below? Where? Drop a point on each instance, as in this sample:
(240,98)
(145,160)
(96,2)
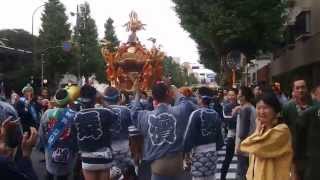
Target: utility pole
(43,52)
(84,17)
(81,23)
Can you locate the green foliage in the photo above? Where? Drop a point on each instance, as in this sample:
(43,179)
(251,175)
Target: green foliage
(178,75)
(54,31)
(191,79)
(17,38)
(110,35)
(219,26)
(18,73)
(208,57)
(86,37)
(16,67)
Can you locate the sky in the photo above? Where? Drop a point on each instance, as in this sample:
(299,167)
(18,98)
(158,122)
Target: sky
(159,16)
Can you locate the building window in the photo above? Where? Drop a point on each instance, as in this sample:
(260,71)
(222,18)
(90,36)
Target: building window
(303,24)
(289,34)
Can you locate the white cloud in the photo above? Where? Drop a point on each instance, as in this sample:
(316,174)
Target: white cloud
(162,22)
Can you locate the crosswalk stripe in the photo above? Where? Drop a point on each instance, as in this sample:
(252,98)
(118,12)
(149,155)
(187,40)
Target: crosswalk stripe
(230,176)
(232,172)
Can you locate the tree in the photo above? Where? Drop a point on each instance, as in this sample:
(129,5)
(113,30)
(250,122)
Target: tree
(190,78)
(86,37)
(208,56)
(177,75)
(221,26)
(16,66)
(54,31)
(110,35)
(17,38)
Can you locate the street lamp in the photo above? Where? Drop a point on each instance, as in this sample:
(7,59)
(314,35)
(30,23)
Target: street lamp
(32,33)
(32,23)
(34,12)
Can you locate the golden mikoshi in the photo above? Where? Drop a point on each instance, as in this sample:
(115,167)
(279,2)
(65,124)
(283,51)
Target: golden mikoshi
(133,61)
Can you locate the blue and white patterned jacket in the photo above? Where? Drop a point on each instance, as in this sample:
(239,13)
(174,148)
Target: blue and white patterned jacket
(204,128)
(163,129)
(119,129)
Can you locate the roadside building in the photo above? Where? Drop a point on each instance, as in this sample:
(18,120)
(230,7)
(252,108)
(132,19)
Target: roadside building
(300,55)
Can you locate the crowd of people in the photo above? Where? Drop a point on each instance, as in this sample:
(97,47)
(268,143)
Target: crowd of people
(164,134)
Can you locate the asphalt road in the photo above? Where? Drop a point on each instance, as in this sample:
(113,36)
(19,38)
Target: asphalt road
(39,166)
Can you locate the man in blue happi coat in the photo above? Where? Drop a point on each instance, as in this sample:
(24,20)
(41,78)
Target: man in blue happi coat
(163,130)
(204,137)
(120,141)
